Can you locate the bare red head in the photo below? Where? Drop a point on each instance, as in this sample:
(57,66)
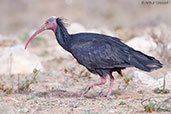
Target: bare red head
(50,24)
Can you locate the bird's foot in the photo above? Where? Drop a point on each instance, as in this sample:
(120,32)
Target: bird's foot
(89,86)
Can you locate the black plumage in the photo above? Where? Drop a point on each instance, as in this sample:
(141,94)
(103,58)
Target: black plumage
(102,54)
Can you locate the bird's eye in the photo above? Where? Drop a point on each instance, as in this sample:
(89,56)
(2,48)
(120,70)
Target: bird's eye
(46,22)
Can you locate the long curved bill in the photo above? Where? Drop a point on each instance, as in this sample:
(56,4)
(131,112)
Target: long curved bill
(35,34)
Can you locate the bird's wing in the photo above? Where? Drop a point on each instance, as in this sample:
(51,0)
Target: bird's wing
(100,53)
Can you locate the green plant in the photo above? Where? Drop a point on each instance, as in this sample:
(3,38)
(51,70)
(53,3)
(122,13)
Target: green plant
(158,91)
(127,80)
(122,103)
(150,107)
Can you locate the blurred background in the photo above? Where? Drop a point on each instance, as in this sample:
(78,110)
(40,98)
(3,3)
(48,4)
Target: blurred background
(22,15)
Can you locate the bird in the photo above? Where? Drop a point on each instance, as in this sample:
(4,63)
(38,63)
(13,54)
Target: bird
(100,54)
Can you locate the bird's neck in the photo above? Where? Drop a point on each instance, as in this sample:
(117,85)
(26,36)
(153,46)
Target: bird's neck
(62,35)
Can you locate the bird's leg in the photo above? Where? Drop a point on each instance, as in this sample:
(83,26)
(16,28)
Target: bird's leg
(111,85)
(103,81)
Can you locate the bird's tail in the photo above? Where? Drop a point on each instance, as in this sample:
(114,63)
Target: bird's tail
(144,62)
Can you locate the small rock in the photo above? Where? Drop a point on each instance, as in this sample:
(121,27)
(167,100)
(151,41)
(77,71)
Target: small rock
(17,60)
(151,82)
(143,43)
(145,79)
